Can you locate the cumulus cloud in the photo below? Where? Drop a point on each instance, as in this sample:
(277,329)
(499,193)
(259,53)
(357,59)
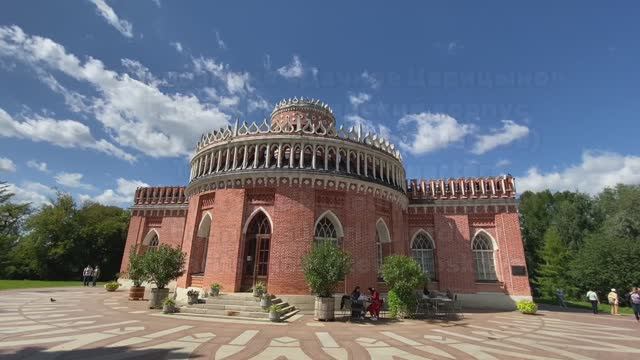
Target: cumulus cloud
(236,82)
(141,72)
(431,131)
(503,163)
(124,27)
(370,80)
(32,192)
(596,171)
(292,70)
(63,133)
(40,166)
(122,195)
(136,114)
(7,165)
(72,180)
(509,133)
(359,99)
(178,46)
(257,104)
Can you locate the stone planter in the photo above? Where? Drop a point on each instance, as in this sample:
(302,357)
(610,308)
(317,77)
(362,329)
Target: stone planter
(215,292)
(193,299)
(324,308)
(168,309)
(157,297)
(274,316)
(136,293)
(265,302)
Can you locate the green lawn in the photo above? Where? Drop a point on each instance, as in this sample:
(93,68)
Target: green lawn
(29,284)
(603,307)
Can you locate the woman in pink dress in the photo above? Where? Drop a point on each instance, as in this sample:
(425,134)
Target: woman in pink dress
(376,304)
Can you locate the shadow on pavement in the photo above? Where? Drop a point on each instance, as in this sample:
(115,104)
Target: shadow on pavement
(41,353)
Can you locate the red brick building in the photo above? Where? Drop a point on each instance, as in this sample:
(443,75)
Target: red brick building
(261,194)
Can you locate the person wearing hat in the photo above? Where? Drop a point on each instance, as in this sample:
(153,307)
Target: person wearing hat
(613,301)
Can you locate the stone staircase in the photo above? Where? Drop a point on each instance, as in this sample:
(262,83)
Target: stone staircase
(237,305)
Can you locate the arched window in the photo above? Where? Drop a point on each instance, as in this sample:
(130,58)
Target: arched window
(151,241)
(326,231)
(422,251)
(483,255)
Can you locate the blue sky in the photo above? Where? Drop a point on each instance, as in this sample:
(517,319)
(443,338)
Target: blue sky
(101,96)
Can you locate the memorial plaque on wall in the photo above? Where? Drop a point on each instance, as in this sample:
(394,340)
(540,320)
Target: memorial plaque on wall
(518,270)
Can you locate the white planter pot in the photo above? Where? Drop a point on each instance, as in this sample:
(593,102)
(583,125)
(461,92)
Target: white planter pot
(324,308)
(274,316)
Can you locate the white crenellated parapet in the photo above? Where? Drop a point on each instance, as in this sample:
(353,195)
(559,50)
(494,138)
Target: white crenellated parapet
(296,126)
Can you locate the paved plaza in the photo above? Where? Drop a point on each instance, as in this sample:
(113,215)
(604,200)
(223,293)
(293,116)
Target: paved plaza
(89,323)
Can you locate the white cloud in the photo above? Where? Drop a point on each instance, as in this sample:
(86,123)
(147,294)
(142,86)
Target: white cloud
(40,166)
(72,180)
(292,70)
(157,2)
(221,43)
(258,104)
(509,133)
(370,79)
(368,126)
(235,82)
(596,171)
(63,133)
(503,163)
(122,195)
(141,72)
(32,192)
(359,99)
(453,47)
(177,45)
(431,131)
(266,62)
(123,26)
(7,165)
(136,114)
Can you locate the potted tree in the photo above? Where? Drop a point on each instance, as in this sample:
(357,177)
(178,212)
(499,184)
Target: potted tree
(168,306)
(403,276)
(193,296)
(137,274)
(274,313)
(215,289)
(259,288)
(265,300)
(163,265)
(324,266)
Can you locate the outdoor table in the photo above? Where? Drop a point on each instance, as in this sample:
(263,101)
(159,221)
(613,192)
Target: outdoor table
(437,301)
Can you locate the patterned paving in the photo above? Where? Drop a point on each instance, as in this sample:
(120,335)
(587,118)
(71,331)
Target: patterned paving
(91,323)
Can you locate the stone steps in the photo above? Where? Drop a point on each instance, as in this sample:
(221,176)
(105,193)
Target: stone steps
(241,305)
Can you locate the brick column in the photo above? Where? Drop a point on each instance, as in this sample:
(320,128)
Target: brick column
(190,228)
(511,253)
(453,248)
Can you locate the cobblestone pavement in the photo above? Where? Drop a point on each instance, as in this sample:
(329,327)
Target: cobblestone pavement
(90,323)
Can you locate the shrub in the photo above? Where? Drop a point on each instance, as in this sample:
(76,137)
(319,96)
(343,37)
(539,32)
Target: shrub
(169,302)
(324,266)
(163,265)
(135,269)
(215,287)
(527,307)
(403,276)
(112,286)
(194,293)
(259,288)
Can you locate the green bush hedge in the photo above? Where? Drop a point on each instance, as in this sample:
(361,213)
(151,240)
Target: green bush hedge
(527,307)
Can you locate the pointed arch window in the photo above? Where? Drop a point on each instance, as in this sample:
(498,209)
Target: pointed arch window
(483,255)
(154,242)
(422,251)
(326,231)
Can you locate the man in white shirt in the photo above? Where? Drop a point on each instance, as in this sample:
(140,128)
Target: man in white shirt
(593,299)
(86,275)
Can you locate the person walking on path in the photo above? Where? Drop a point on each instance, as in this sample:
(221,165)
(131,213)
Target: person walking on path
(635,303)
(95,275)
(86,275)
(593,299)
(613,301)
(560,295)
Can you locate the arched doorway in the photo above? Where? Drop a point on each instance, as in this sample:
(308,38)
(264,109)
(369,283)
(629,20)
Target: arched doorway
(257,244)
(202,238)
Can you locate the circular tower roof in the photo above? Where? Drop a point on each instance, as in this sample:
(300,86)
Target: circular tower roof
(305,110)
